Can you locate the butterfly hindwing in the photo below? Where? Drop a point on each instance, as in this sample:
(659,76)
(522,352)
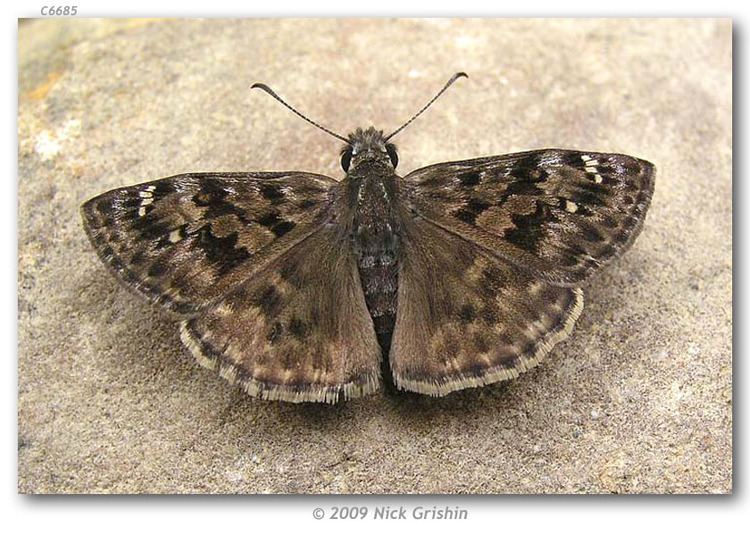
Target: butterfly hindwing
(467,318)
(186,240)
(299,331)
(559,213)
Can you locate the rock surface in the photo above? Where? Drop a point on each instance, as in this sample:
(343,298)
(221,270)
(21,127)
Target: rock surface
(637,400)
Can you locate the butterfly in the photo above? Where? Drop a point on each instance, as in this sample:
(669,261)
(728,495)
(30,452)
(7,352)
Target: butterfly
(301,288)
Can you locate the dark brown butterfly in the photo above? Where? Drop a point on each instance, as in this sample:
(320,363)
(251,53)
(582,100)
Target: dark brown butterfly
(298,287)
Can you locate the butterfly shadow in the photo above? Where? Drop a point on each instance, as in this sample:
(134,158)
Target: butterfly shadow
(126,330)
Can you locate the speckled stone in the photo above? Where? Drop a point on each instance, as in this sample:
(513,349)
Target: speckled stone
(637,400)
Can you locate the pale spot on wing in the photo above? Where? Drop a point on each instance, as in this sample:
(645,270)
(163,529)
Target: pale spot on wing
(147,197)
(535,287)
(175,236)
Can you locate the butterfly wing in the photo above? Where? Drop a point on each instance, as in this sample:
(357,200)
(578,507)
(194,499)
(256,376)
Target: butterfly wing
(560,214)
(185,241)
(493,254)
(468,318)
(258,265)
(299,331)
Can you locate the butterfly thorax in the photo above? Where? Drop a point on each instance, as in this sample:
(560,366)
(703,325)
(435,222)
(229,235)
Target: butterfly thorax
(372,188)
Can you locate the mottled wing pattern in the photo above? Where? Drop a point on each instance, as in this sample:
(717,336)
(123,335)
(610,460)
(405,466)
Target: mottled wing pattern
(467,318)
(185,241)
(559,213)
(299,331)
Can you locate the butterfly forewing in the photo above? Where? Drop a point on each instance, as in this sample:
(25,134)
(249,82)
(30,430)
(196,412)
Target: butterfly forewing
(185,241)
(560,214)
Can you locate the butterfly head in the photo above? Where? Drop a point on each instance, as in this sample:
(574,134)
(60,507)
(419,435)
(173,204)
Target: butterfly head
(368,145)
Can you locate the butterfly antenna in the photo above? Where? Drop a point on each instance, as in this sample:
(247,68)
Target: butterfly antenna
(275,96)
(446,86)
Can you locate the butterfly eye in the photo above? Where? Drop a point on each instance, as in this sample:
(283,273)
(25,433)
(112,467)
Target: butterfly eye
(392,154)
(346,158)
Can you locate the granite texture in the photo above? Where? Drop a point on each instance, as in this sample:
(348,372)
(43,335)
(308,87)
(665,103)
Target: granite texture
(637,400)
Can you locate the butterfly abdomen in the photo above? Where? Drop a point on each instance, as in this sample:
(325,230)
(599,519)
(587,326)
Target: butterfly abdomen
(378,272)
(376,243)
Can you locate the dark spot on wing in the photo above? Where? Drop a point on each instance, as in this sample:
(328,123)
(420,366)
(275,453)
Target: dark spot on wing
(129,202)
(607,251)
(104,205)
(467,314)
(270,219)
(137,258)
(573,159)
(591,233)
(465,216)
(529,168)
(476,370)
(471,211)
(221,251)
(511,361)
(481,344)
(588,197)
(272,192)
(162,188)
(269,301)
(275,224)
(297,328)
(150,229)
(521,187)
(282,228)
(529,229)
(471,178)
(212,196)
(608,221)
(158,269)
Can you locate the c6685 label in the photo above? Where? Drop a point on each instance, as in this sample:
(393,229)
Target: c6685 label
(59,11)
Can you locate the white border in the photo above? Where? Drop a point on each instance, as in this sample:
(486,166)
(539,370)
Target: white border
(293,515)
